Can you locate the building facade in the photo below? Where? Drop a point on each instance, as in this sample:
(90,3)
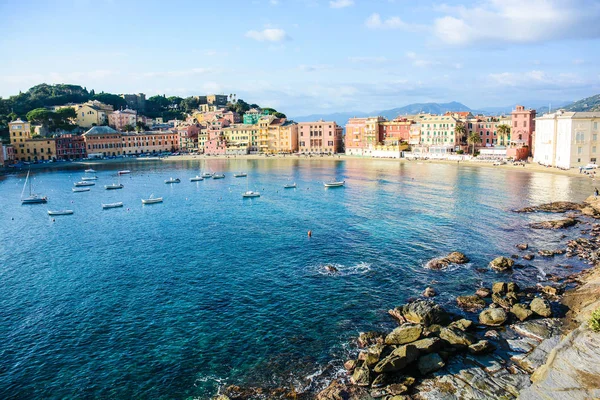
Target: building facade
(70,147)
(121,118)
(188,137)
(7,155)
(363,135)
(135,101)
(396,131)
(149,142)
(103,141)
(241,138)
(522,127)
(277,135)
(567,139)
(320,137)
(90,114)
(219,100)
(438,131)
(27,148)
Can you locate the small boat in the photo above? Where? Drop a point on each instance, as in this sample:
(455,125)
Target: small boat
(114,186)
(250,193)
(240,175)
(33,198)
(112,205)
(290,186)
(207,175)
(196,179)
(84,183)
(89,170)
(152,200)
(123,172)
(171,180)
(89,178)
(81,189)
(218,176)
(334,184)
(60,212)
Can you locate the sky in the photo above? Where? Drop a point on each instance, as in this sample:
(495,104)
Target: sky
(309,56)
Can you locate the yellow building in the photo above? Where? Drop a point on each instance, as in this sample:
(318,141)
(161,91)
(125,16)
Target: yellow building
(277,135)
(28,148)
(242,137)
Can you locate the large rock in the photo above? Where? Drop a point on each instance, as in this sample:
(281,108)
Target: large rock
(425,312)
(404,334)
(462,324)
(505,301)
(456,337)
(398,360)
(538,329)
(366,339)
(429,292)
(522,246)
(492,317)
(502,264)
(554,207)
(361,376)
(499,287)
(455,257)
(483,292)
(430,363)
(428,345)
(481,347)
(521,311)
(470,303)
(541,307)
(338,391)
(554,224)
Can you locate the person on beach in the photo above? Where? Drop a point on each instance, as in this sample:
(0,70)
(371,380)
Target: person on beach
(596,192)
(580,169)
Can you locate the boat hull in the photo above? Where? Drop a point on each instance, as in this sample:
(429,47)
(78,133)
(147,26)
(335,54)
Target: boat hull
(80,190)
(152,201)
(86,183)
(62,212)
(37,200)
(334,184)
(113,187)
(112,205)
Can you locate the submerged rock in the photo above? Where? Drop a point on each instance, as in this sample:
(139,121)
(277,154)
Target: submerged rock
(529,257)
(492,317)
(554,207)
(554,224)
(502,264)
(429,292)
(522,246)
(331,269)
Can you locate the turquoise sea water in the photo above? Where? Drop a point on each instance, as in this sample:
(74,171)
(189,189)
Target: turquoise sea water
(174,299)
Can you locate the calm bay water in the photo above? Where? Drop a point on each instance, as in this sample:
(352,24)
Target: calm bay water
(174,299)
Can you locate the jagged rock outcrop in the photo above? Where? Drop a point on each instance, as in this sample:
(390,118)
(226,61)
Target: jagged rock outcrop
(554,224)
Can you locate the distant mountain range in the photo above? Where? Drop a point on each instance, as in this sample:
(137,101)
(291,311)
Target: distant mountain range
(590,103)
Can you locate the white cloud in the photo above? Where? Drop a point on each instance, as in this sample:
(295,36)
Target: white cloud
(375,22)
(340,3)
(268,35)
(539,80)
(578,61)
(517,21)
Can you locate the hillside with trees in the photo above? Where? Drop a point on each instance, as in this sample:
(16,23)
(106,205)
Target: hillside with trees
(588,104)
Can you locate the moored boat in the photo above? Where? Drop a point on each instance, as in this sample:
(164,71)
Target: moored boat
(172,180)
(60,212)
(250,193)
(290,186)
(152,200)
(81,189)
(218,176)
(90,171)
(334,184)
(123,172)
(207,175)
(240,175)
(196,179)
(112,205)
(89,178)
(84,183)
(32,198)
(114,186)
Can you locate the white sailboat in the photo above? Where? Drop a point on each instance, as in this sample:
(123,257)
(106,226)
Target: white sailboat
(334,184)
(32,198)
(115,186)
(152,200)
(90,170)
(249,193)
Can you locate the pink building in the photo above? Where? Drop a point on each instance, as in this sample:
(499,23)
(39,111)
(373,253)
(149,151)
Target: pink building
(216,143)
(486,127)
(7,155)
(70,147)
(118,119)
(523,127)
(396,131)
(363,134)
(188,137)
(320,137)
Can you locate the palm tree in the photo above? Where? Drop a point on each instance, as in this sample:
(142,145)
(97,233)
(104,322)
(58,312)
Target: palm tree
(460,131)
(503,131)
(473,139)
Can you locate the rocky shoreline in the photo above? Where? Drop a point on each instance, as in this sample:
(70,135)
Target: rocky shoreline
(522,344)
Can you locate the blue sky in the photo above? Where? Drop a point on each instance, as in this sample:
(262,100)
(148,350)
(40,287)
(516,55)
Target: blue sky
(309,56)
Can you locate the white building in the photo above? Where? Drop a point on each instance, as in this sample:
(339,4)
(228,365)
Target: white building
(567,139)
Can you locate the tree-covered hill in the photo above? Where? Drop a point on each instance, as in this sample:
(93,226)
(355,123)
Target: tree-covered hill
(588,104)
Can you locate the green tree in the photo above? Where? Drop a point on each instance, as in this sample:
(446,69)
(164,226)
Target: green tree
(190,104)
(140,126)
(503,131)
(40,116)
(473,139)
(66,114)
(112,99)
(128,128)
(460,131)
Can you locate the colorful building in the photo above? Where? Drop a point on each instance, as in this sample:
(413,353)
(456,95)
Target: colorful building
(567,139)
(396,131)
(241,138)
(103,141)
(437,131)
(218,100)
(27,148)
(7,155)
(188,137)
(252,116)
(320,137)
(522,127)
(121,118)
(363,134)
(70,147)
(277,135)
(149,142)
(486,127)
(92,113)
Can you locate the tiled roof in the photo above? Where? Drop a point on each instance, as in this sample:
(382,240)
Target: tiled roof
(100,130)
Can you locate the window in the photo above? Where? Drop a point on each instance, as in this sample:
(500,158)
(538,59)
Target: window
(515,124)
(579,150)
(524,124)
(595,137)
(593,149)
(595,126)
